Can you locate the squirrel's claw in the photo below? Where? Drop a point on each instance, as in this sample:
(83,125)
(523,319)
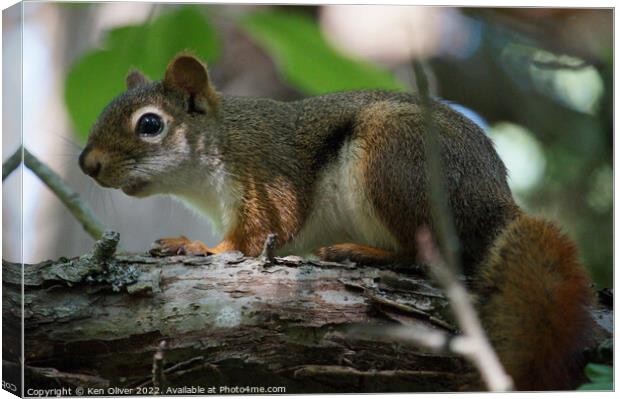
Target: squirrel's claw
(179,246)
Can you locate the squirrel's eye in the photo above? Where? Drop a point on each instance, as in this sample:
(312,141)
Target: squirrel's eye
(150,125)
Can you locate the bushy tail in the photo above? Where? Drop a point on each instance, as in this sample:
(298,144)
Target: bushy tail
(533,303)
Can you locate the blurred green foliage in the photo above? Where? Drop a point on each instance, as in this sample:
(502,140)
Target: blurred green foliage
(566,105)
(294,40)
(578,182)
(601,377)
(98,76)
(305,58)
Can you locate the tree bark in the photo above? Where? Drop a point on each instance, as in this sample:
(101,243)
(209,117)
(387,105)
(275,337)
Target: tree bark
(227,320)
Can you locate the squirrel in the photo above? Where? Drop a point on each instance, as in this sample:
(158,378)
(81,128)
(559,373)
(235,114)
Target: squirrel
(343,176)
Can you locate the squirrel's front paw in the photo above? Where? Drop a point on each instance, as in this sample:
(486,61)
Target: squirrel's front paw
(179,246)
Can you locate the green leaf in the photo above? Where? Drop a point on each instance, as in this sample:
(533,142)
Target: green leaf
(601,376)
(99,76)
(599,372)
(597,386)
(305,58)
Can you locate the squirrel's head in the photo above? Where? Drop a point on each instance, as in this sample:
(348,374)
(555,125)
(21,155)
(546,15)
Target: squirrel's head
(146,137)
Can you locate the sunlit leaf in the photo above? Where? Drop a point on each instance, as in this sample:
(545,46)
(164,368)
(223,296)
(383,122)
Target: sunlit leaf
(98,76)
(305,58)
(599,372)
(601,377)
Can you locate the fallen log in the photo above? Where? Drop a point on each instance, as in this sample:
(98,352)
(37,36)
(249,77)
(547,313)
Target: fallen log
(140,324)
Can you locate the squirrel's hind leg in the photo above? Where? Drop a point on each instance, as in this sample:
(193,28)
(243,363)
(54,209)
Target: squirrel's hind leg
(361,254)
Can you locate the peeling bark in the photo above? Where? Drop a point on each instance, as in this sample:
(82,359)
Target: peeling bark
(227,320)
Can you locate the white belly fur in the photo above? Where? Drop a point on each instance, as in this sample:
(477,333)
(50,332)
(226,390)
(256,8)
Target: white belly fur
(341,212)
(217,198)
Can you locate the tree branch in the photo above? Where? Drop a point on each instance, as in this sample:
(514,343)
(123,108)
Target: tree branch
(441,214)
(226,319)
(12,163)
(78,208)
(473,343)
(98,321)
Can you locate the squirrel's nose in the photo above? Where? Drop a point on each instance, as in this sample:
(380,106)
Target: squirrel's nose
(90,162)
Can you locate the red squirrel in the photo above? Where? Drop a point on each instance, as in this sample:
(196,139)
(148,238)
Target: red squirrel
(343,175)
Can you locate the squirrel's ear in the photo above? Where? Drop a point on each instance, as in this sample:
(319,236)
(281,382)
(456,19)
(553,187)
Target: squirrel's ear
(135,78)
(188,74)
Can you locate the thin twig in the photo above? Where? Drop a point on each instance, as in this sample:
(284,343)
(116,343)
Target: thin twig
(185,365)
(12,163)
(267,255)
(473,343)
(70,198)
(441,214)
(105,247)
(158,366)
(93,266)
(74,378)
(417,334)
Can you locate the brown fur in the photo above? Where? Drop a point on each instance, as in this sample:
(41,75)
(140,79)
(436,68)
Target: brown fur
(268,208)
(358,253)
(478,194)
(533,302)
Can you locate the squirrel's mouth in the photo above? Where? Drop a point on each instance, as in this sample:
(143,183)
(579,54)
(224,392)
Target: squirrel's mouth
(135,189)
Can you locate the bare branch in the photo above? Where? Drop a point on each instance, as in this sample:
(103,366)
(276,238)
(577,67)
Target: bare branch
(437,196)
(12,163)
(225,317)
(473,344)
(80,210)
(269,248)
(416,334)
